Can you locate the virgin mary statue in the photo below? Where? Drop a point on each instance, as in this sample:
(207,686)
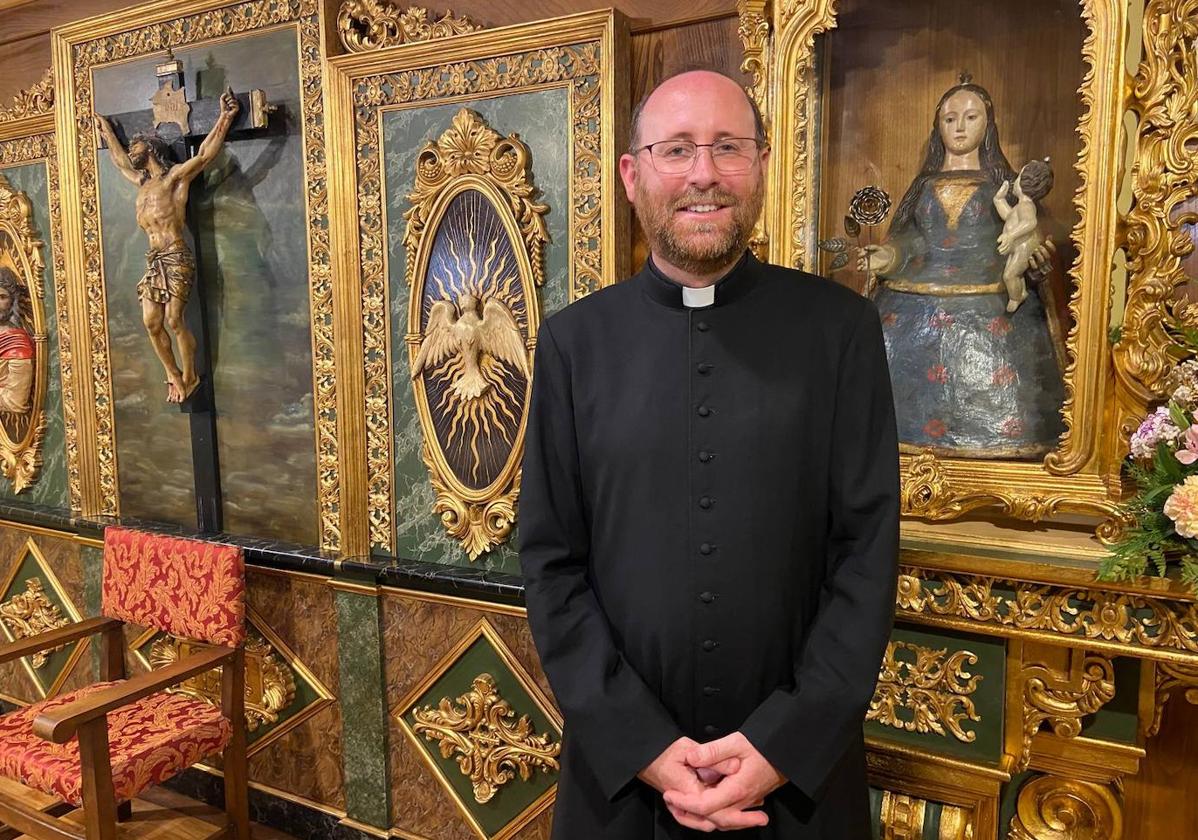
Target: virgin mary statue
(970,379)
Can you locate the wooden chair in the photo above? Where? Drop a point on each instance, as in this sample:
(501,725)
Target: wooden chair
(99,746)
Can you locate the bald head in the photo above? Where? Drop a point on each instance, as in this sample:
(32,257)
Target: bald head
(705,95)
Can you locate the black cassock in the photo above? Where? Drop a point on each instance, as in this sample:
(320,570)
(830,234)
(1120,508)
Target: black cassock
(709,538)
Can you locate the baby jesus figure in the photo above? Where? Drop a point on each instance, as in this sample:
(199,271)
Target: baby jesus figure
(1020,235)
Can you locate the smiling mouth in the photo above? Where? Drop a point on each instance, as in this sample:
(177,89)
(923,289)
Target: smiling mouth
(702,208)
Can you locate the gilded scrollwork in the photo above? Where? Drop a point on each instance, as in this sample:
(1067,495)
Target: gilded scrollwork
(1132,620)
(1062,699)
(1056,808)
(1169,677)
(373,24)
(32,101)
(26,614)
(929,694)
(269,683)
(576,66)
(1164,96)
(491,745)
(86,49)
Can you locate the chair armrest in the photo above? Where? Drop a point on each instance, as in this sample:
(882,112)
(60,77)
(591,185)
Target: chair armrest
(59,724)
(53,638)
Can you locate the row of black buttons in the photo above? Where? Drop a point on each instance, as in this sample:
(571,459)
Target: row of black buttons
(706,502)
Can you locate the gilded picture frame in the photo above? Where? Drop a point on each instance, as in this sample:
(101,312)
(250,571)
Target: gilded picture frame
(27,136)
(1081,476)
(79,49)
(583,55)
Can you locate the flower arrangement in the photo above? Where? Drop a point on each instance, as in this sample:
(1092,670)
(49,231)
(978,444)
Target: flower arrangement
(1164,466)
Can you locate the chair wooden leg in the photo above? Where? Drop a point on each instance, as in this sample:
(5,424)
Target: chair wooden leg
(99,802)
(237,805)
(124,812)
(112,654)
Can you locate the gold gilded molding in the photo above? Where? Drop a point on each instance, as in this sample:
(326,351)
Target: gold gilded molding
(468,356)
(1062,699)
(32,101)
(372,25)
(491,745)
(167,24)
(1055,808)
(1167,677)
(902,816)
(933,692)
(23,430)
(1139,625)
(269,684)
(1164,98)
(581,54)
(29,613)
(1081,476)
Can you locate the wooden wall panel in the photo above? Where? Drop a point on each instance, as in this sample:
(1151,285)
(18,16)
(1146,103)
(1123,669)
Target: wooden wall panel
(1162,799)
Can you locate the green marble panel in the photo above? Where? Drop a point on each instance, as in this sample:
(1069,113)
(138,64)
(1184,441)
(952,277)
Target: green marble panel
(983,737)
(538,118)
(513,798)
(363,709)
(248,225)
(51,486)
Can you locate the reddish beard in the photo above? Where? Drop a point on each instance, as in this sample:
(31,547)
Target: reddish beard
(702,247)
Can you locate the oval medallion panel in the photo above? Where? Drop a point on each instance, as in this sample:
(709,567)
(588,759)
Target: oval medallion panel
(472,318)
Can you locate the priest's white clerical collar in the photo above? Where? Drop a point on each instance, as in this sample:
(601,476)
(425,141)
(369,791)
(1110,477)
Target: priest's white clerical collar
(697,298)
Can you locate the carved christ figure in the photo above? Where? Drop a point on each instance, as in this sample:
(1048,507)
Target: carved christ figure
(162,188)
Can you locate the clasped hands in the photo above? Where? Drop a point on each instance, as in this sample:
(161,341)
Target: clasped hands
(712,786)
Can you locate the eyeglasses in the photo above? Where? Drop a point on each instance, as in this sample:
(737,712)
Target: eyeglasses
(730,155)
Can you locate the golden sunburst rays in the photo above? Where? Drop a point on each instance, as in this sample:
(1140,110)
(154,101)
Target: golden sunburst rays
(473,266)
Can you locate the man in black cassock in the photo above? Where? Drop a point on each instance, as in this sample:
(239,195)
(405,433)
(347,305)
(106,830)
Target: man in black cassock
(709,514)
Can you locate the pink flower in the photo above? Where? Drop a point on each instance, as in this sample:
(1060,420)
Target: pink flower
(938,373)
(1189,454)
(1182,507)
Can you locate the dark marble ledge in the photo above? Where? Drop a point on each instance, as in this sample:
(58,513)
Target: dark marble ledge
(422,576)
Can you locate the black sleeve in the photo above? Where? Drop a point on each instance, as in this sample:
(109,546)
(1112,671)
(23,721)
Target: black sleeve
(618,724)
(803,731)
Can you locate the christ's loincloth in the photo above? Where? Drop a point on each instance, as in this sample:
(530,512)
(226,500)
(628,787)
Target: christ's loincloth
(169,274)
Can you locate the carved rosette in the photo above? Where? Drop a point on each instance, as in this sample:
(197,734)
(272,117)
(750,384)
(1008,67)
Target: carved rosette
(26,614)
(929,694)
(365,25)
(1164,177)
(1062,700)
(474,240)
(491,745)
(1055,808)
(33,101)
(23,430)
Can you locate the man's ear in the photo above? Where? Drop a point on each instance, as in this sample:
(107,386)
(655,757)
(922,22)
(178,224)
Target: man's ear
(628,175)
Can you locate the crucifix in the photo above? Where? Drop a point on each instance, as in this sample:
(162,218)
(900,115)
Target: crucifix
(163,165)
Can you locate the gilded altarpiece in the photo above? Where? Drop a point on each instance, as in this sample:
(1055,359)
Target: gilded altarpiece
(477,217)
(261,227)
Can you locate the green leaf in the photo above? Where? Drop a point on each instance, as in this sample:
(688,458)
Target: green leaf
(1178,417)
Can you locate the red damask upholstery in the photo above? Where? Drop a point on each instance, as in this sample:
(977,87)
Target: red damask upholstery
(181,586)
(150,740)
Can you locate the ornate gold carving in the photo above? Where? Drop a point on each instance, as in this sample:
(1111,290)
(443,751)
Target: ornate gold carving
(902,816)
(372,25)
(1054,808)
(472,357)
(33,101)
(754,32)
(1062,700)
(88,45)
(269,683)
(1164,96)
(29,613)
(490,744)
(576,66)
(929,493)
(932,692)
(1134,621)
(23,420)
(1169,676)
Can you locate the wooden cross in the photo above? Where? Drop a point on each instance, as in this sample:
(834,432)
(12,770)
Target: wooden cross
(183,124)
